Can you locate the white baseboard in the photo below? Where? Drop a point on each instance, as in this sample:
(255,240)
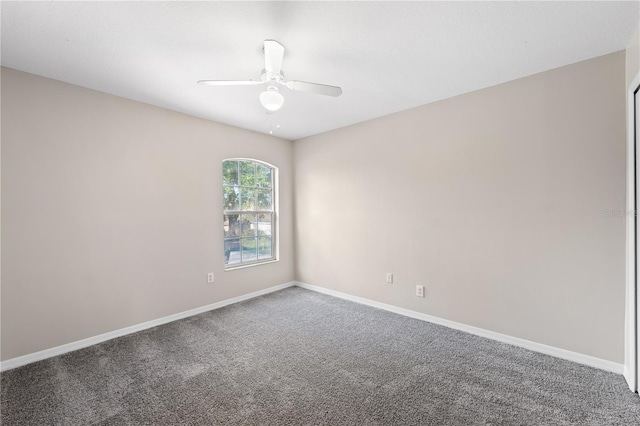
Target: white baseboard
(62,349)
(602,364)
(627,376)
(579,358)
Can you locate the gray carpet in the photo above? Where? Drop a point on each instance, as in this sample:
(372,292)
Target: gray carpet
(297,357)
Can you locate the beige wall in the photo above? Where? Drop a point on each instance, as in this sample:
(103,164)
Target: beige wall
(494,200)
(633,57)
(111,212)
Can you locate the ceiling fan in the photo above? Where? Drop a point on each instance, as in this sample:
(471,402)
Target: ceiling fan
(272,76)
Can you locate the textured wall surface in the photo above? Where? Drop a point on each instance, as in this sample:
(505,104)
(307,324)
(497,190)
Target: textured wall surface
(495,200)
(111,212)
(507,204)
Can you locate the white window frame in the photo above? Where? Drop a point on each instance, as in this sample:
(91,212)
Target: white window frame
(273,212)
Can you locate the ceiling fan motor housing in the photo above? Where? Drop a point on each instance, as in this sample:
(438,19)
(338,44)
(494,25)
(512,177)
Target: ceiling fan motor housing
(268,76)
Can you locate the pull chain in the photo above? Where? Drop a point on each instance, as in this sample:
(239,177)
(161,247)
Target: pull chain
(271,125)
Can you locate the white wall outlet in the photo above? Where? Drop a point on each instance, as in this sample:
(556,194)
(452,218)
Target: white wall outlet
(389,278)
(210,277)
(420,290)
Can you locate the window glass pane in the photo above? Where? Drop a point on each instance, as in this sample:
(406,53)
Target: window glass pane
(248,225)
(248,235)
(264,224)
(230,172)
(231,197)
(249,253)
(264,248)
(247,173)
(264,199)
(232,251)
(231,224)
(247,199)
(263,176)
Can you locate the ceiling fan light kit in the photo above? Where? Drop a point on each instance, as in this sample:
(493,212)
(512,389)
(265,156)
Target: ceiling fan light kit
(271,99)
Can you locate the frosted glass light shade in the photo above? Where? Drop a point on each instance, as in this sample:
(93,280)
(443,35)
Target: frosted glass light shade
(271,99)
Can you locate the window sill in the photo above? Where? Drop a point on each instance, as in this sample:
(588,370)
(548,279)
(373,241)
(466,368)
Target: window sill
(250,265)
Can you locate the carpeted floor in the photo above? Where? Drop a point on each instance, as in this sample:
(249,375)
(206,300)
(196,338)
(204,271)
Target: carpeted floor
(296,357)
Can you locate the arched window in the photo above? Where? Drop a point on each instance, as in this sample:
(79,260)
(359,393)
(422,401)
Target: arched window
(248,188)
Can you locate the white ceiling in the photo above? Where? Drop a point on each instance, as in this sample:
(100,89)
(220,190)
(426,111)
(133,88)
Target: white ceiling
(387,56)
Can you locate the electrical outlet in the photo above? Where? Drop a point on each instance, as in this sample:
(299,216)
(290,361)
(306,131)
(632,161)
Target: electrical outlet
(389,278)
(210,277)
(420,290)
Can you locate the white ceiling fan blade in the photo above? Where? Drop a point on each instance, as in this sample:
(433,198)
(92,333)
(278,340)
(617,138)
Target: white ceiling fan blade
(321,89)
(229,82)
(273,53)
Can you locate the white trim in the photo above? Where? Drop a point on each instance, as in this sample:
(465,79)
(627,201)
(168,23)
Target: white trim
(537,347)
(631,332)
(591,361)
(250,265)
(62,349)
(625,373)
